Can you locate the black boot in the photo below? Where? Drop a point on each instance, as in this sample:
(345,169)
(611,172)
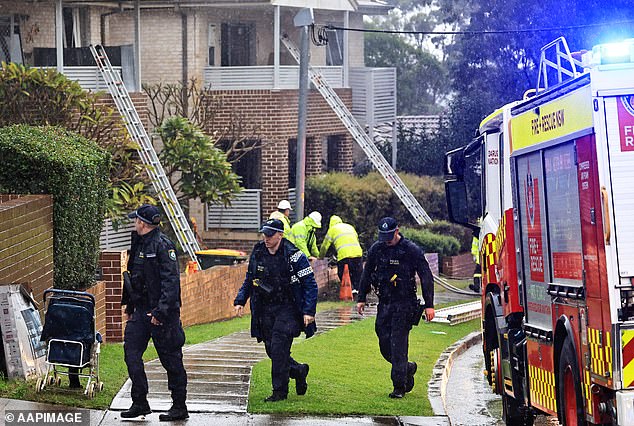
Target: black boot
(411,370)
(177,412)
(397,393)
(300,381)
(136,410)
(276,396)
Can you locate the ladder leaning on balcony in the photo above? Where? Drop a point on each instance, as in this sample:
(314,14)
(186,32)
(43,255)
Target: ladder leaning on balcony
(362,138)
(137,132)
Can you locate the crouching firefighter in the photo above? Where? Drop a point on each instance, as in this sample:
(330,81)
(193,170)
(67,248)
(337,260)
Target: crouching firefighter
(151,295)
(393,261)
(283,293)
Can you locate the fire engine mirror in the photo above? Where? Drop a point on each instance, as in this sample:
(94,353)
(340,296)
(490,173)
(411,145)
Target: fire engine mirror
(456,193)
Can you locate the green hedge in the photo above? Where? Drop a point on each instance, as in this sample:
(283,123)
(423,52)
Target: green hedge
(74,170)
(444,245)
(362,202)
(461,233)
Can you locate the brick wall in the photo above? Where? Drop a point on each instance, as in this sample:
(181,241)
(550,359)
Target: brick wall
(140,101)
(460,266)
(112,264)
(99,291)
(207,295)
(274,113)
(26,241)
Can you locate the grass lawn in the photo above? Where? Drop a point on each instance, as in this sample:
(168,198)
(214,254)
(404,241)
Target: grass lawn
(113,370)
(348,375)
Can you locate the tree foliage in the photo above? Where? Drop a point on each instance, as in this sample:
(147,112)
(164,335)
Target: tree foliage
(235,136)
(74,170)
(421,78)
(194,166)
(490,70)
(38,96)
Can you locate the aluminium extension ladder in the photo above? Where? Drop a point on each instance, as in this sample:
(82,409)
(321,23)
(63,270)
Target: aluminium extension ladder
(155,170)
(362,138)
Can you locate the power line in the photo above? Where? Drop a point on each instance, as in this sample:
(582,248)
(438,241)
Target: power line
(532,30)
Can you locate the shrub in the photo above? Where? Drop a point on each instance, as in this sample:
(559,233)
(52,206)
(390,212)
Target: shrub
(461,233)
(45,97)
(444,245)
(74,170)
(363,201)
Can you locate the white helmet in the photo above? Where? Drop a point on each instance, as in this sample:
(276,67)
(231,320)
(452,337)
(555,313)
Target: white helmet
(316,217)
(284,204)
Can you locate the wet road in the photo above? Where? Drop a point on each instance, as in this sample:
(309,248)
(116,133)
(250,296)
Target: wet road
(469,400)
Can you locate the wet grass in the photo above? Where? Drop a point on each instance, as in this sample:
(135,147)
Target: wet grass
(349,376)
(113,370)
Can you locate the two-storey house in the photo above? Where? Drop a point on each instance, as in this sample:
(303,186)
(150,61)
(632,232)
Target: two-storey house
(233,48)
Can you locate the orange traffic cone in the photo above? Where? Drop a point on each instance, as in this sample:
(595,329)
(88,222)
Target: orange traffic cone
(345,291)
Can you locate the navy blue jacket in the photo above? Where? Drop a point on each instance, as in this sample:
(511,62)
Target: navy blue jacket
(401,263)
(153,265)
(302,282)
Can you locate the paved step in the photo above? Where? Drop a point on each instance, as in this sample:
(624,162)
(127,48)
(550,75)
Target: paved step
(219,371)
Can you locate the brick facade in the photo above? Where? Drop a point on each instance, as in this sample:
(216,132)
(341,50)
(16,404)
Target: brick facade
(460,266)
(112,264)
(99,291)
(274,114)
(207,295)
(26,242)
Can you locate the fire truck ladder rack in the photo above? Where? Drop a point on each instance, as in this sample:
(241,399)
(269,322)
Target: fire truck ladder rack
(557,61)
(362,138)
(155,170)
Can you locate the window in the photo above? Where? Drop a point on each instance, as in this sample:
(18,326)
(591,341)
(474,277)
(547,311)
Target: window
(532,212)
(334,48)
(331,153)
(564,220)
(292,162)
(10,42)
(237,42)
(249,168)
(211,45)
(76,27)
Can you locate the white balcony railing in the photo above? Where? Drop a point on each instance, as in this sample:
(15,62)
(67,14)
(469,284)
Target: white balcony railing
(119,239)
(243,213)
(263,77)
(89,78)
(373,95)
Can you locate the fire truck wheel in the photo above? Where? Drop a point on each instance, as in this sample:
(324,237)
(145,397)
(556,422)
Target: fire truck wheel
(569,392)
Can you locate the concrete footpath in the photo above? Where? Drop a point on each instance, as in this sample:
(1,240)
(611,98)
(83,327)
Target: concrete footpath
(219,373)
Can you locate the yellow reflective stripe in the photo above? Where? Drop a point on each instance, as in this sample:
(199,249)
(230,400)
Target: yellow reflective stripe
(348,245)
(343,234)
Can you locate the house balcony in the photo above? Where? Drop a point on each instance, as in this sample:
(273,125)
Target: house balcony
(373,89)
(88,77)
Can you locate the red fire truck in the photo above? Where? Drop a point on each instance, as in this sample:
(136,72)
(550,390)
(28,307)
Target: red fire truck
(556,232)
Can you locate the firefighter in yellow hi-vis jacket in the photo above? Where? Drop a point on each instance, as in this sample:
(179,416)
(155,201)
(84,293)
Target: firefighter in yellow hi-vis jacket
(344,238)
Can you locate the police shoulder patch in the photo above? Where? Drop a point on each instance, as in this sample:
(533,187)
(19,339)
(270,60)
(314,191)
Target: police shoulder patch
(172,254)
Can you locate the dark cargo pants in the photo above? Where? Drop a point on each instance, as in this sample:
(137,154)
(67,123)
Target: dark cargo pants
(280,325)
(168,341)
(393,323)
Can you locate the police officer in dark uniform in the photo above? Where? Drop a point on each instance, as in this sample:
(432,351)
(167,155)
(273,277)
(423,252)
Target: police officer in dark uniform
(391,266)
(151,295)
(283,292)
